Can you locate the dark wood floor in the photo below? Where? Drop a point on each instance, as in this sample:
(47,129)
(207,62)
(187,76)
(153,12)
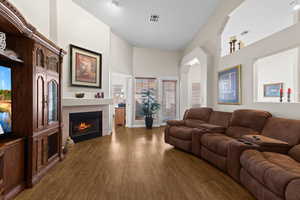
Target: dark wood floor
(133,164)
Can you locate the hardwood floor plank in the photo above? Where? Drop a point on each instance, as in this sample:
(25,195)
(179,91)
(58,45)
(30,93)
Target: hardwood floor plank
(133,164)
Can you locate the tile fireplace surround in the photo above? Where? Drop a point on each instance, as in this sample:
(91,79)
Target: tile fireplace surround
(75,105)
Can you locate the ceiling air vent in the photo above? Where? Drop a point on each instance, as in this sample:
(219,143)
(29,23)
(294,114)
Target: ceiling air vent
(154,18)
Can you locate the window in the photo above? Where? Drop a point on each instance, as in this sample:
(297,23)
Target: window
(140,85)
(196,95)
(169,91)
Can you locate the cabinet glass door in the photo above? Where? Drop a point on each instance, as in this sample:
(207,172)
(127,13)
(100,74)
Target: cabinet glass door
(52,104)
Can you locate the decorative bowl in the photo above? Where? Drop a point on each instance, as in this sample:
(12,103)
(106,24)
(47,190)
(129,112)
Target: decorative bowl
(79,95)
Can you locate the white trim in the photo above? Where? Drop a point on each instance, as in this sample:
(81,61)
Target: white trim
(144,126)
(120,74)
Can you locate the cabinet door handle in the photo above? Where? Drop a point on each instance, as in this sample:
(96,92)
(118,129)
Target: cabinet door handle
(45,101)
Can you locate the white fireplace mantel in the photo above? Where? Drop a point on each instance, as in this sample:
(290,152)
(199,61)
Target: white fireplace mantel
(71,102)
(76,105)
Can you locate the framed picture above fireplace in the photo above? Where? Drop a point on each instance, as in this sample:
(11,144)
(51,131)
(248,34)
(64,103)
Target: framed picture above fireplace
(86,67)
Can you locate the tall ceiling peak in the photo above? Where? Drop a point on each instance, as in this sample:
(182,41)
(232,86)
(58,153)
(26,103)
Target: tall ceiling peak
(167,24)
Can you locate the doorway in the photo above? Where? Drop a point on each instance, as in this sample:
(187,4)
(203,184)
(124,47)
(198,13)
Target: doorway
(121,89)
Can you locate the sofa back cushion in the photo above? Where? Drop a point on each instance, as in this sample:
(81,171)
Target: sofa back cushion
(287,130)
(245,122)
(295,153)
(201,114)
(220,118)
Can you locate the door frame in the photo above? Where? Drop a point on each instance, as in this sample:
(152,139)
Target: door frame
(129,92)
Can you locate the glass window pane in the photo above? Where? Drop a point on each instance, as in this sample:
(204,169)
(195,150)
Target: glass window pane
(140,85)
(169,100)
(52,104)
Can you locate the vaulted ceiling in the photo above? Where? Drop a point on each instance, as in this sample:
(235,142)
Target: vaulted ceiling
(179,20)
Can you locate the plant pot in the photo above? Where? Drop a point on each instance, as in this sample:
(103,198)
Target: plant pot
(149,122)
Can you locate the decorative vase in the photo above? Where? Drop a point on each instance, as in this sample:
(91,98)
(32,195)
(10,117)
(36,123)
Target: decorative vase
(2,41)
(149,122)
(68,145)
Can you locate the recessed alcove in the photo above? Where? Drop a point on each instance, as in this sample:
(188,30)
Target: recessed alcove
(276,77)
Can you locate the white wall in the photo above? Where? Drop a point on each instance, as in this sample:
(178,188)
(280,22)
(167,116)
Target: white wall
(78,27)
(260,18)
(36,12)
(209,38)
(278,68)
(155,63)
(121,54)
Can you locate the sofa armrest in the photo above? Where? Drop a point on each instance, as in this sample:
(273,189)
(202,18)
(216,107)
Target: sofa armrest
(268,144)
(176,122)
(197,134)
(235,150)
(292,190)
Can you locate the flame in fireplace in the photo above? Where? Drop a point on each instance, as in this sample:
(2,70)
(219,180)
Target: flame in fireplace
(83,126)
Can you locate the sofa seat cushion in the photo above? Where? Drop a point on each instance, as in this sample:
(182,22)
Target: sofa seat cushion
(181,132)
(217,143)
(273,170)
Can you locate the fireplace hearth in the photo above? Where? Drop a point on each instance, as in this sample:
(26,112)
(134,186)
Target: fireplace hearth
(84,126)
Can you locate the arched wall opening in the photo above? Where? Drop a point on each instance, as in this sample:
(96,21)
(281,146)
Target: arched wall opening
(193,75)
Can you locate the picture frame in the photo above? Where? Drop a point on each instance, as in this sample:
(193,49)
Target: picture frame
(229,86)
(86,67)
(272,90)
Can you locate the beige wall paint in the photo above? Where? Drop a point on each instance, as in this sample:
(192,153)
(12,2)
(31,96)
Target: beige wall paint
(209,39)
(155,63)
(36,12)
(121,55)
(78,27)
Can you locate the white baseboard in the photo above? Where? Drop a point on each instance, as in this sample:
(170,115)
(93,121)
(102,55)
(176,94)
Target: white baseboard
(142,126)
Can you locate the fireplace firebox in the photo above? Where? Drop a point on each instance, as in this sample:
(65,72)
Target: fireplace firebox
(84,126)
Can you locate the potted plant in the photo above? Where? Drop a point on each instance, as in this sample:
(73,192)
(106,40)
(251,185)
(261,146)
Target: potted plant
(150,106)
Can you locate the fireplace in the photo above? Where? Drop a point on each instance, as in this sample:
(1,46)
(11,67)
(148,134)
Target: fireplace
(84,126)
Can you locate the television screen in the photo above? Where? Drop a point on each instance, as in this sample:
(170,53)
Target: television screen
(5,100)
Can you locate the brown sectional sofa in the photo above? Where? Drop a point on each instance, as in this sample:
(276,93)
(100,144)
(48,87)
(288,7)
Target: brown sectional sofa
(276,174)
(243,122)
(218,122)
(259,151)
(179,133)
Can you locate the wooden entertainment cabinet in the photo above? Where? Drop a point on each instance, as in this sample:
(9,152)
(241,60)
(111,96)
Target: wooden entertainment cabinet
(36,140)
